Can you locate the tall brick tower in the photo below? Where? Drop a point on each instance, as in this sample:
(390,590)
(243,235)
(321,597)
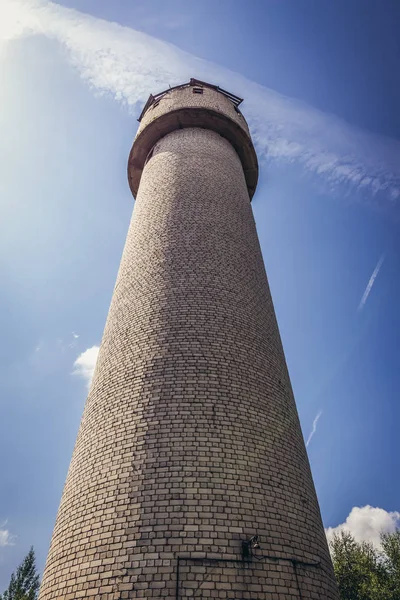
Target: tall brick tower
(190,477)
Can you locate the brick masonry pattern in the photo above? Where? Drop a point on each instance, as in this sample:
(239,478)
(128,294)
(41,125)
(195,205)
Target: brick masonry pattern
(190,440)
(185,98)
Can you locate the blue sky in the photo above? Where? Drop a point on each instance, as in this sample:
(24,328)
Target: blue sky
(322,90)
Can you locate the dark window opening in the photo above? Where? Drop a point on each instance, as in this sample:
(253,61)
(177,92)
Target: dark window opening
(197,90)
(156,104)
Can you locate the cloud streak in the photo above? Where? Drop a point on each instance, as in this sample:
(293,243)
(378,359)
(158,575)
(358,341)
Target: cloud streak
(366,523)
(371,282)
(314,428)
(6,538)
(128,65)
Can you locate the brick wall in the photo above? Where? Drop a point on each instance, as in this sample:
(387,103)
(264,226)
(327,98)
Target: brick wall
(190,441)
(185,98)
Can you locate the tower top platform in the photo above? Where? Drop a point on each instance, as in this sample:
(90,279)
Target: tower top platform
(193,104)
(193,82)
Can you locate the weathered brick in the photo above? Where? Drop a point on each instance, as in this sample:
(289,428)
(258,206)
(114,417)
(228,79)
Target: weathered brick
(190,441)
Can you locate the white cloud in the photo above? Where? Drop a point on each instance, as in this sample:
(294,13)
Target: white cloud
(6,538)
(366,523)
(85,364)
(314,428)
(129,65)
(371,283)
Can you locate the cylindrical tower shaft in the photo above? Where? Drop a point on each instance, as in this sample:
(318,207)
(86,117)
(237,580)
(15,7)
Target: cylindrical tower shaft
(190,443)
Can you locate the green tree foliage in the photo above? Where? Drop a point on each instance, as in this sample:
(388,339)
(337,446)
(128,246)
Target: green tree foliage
(362,571)
(391,558)
(24,583)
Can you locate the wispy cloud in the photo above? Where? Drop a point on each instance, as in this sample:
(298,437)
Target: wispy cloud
(85,364)
(74,342)
(6,538)
(371,282)
(128,65)
(314,428)
(366,523)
